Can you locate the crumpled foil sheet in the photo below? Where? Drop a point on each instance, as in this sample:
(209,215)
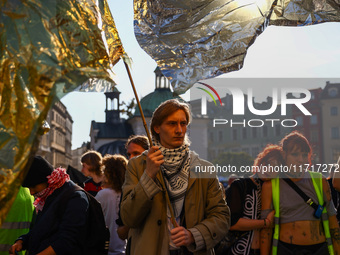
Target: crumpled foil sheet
(48,48)
(195,40)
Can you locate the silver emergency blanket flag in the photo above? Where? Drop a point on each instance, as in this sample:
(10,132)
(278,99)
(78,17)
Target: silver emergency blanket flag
(198,39)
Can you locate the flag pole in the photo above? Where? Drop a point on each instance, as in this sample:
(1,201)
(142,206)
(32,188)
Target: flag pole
(173,220)
(138,103)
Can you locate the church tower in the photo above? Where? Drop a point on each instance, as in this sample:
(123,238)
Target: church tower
(161,82)
(112,111)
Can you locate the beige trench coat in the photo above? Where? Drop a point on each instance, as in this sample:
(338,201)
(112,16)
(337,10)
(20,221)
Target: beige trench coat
(204,207)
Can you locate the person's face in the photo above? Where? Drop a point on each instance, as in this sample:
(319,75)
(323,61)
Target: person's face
(172,130)
(134,150)
(37,188)
(296,157)
(270,162)
(85,170)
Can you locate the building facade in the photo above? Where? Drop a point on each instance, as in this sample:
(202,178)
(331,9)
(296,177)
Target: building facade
(56,145)
(77,153)
(312,125)
(110,137)
(330,108)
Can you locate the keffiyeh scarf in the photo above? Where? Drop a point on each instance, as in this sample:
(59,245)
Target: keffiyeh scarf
(175,170)
(57,179)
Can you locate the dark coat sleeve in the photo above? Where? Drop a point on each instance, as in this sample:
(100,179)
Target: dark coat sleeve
(235,200)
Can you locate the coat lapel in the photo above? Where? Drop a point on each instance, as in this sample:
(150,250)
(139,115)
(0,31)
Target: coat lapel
(193,163)
(191,181)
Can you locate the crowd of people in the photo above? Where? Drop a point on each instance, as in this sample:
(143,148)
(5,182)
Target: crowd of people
(152,202)
(287,212)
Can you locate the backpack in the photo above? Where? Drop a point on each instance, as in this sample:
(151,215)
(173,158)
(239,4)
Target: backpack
(98,235)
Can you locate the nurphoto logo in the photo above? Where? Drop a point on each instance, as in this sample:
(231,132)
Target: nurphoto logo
(240,103)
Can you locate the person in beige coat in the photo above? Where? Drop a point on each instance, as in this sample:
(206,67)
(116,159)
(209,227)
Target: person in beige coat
(202,217)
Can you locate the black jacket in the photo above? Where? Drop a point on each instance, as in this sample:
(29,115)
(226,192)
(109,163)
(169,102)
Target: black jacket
(61,226)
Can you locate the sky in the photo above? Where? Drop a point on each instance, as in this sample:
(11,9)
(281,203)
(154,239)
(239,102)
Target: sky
(287,52)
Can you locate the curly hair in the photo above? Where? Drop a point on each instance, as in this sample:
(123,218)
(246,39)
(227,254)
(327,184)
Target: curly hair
(94,160)
(114,167)
(270,151)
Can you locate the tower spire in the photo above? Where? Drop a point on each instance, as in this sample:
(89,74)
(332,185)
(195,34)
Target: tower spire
(112,111)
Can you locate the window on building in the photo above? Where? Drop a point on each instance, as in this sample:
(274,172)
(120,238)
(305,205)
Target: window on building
(335,133)
(312,95)
(277,130)
(211,136)
(265,131)
(314,136)
(334,111)
(314,119)
(335,155)
(254,132)
(333,92)
(234,134)
(244,133)
(299,120)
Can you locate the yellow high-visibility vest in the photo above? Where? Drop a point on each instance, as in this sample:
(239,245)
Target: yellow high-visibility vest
(18,220)
(317,183)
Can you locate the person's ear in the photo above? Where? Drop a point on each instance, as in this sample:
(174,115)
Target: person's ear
(156,129)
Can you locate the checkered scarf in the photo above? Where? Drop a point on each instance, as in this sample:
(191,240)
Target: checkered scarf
(57,179)
(175,170)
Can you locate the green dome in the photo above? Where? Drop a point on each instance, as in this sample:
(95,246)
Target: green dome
(151,101)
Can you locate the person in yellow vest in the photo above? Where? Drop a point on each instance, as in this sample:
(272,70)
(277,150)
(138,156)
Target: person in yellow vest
(301,226)
(18,220)
(244,201)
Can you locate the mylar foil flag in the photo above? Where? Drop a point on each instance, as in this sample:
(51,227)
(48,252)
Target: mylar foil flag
(48,48)
(194,40)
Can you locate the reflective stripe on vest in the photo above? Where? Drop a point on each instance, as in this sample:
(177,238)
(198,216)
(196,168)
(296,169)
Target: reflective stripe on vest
(317,183)
(276,203)
(5,247)
(15,225)
(9,232)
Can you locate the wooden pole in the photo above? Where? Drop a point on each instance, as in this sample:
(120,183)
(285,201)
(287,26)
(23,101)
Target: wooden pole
(173,220)
(138,103)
